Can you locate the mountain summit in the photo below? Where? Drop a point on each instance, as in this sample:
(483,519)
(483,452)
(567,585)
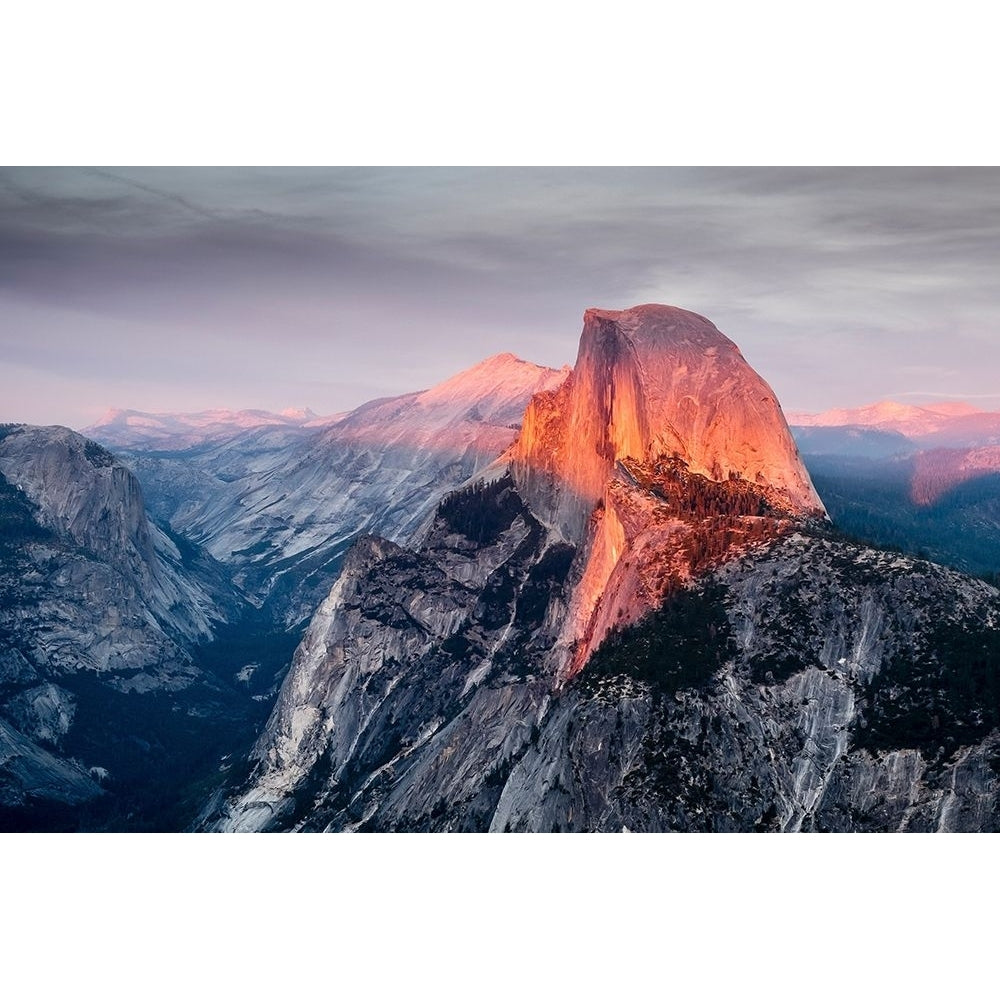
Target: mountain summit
(654,382)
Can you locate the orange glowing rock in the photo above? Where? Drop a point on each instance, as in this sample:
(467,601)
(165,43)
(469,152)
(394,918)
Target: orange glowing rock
(654,381)
(653,385)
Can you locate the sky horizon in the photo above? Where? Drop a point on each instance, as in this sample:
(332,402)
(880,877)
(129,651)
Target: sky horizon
(187,289)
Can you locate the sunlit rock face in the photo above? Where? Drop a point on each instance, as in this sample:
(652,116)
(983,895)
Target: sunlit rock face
(654,381)
(652,384)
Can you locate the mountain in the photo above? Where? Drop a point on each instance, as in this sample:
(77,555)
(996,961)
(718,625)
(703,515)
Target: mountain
(925,480)
(687,645)
(659,401)
(101,615)
(281,505)
(941,425)
(600,599)
(852,442)
(124,429)
(131,663)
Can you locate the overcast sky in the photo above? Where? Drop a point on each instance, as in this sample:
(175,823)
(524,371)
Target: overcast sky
(187,289)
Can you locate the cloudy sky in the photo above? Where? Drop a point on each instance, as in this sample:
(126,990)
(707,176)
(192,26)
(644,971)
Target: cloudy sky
(192,288)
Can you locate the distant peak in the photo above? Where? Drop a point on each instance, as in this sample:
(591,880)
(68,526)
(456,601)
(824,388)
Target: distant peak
(506,360)
(111,415)
(492,374)
(908,418)
(893,408)
(495,390)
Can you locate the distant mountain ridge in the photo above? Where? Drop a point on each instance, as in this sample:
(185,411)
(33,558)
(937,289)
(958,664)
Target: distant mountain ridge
(925,479)
(180,431)
(947,424)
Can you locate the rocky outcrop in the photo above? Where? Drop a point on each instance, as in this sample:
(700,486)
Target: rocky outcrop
(404,644)
(86,500)
(654,388)
(847,701)
(811,685)
(29,773)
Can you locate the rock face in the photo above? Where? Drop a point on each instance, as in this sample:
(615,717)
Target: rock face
(97,606)
(653,387)
(700,652)
(809,685)
(407,651)
(649,383)
(87,500)
(815,686)
(281,505)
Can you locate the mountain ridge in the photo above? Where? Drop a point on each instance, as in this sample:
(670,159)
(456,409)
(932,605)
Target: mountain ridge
(948,424)
(281,504)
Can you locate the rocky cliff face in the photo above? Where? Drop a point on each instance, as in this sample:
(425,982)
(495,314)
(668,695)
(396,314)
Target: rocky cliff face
(701,652)
(281,505)
(650,383)
(809,685)
(98,608)
(408,646)
(656,391)
(91,502)
(815,686)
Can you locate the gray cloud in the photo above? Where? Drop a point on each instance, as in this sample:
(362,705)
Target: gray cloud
(189,288)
